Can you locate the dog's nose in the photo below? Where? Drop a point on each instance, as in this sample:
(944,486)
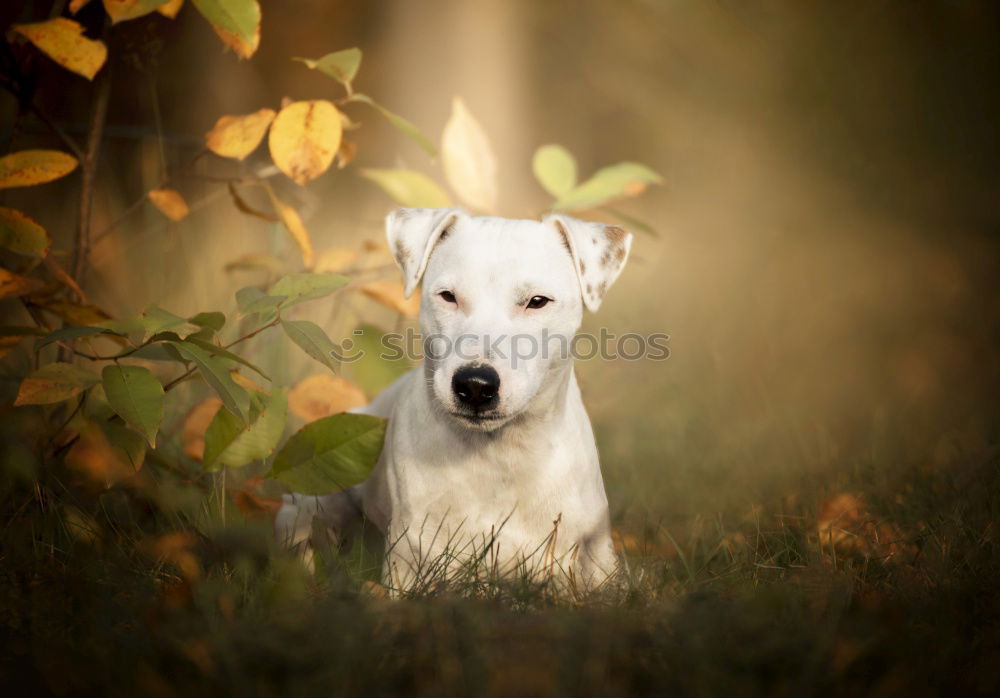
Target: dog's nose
(477,387)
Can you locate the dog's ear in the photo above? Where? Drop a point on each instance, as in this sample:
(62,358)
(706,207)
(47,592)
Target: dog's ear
(599,253)
(412,234)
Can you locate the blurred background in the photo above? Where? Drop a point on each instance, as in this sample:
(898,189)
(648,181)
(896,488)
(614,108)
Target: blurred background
(827,232)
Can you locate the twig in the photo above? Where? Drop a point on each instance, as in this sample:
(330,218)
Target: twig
(89,165)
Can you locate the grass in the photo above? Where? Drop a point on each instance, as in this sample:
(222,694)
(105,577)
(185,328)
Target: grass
(143,589)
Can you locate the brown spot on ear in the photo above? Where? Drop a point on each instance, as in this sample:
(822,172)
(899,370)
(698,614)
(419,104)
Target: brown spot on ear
(590,289)
(401,253)
(620,254)
(603,288)
(583,267)
(616,245)
(615,235)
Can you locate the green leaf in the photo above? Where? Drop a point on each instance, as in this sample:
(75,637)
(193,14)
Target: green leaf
(631,222)
(155,319)
(54,382)
(68,334)
(401,124)
(371,371)
(20,234)
(257,442)
(130,446)
(159,351)
(252,300)
(555,169)
(409,188)
(330,454)
(215,371)
(221,432)
(313,341)
(342,66)
(608,183)
(297,288)
(137,396)
(213,320)
(219,351)
(239,17)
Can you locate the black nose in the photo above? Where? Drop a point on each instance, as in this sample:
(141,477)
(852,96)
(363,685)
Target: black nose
(477,387)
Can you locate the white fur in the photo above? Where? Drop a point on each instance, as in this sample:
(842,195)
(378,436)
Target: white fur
(523,488)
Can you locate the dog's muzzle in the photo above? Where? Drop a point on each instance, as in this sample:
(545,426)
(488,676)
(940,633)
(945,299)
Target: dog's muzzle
(476,388)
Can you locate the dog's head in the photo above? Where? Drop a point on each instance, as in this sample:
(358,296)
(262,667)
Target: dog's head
(501,302)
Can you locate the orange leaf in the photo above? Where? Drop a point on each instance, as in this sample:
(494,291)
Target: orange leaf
(170,203)
(121,10)
(335,259)
(14,285)
(390,294)
(322,395)
(62,40)
(253,505)
(304,139)
(195,424)
(95,457)
(348,150)
(170,8)
(76,5)
(293,223)
(28,167)
(238,136)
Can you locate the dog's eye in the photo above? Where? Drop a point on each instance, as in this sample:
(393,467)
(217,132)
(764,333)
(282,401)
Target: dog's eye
(538,302)
(448,296)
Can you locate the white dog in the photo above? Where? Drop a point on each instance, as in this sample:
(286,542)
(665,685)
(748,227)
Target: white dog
(489,453)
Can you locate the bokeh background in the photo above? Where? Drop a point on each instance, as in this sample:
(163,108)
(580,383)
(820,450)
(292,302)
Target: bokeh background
(826,263)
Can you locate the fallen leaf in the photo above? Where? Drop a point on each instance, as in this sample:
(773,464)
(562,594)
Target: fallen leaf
(26,168)
(390,294)
(195,424)
(238,136)
(323,394)
(170,203)
(467,156)
(62,40)
(304,139)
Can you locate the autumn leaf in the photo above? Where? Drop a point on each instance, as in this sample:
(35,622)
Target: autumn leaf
(245,207)
(29,167)
(335,259)
(170,203)
(195,424)
(20,234)
(345,155)
(121,10)
(238,136)
(304,139)
(15,285)
(323,394)
(79,314)
(107,453)
(469,163)
(170,8)
(408,187)
(237,22)
(54,382)
(293,224)
(77,5)
(62,40)
(390,294)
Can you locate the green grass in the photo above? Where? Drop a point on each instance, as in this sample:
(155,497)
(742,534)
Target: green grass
(96,601)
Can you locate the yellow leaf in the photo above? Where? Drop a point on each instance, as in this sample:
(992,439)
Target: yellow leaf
(170,203)
(170,8)
(408,187)
(238,136)
(121,10)
(294,225)
(348,150)
(245,382)
(304,138)
(28,167)
(62,40)
(322,395)
(20,234)
(14,285)
(467,156)
(241,47)
(81,315)
(390,294)
(335,259)
(195,424)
